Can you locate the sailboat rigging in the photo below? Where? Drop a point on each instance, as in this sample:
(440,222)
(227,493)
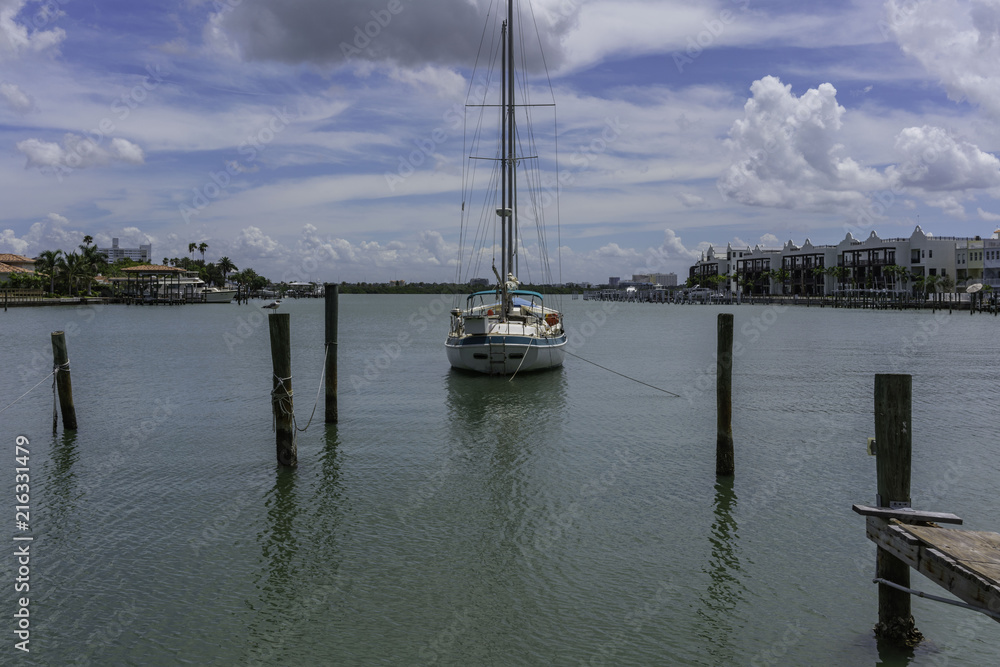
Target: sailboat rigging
(507,329)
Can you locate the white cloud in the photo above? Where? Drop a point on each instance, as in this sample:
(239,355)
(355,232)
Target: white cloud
(769,241)
(935,161)
(787,155)
(10,243)
(15,98)
(126,151)
(690,200)
(986,215)
(16,38)
(77,152)
(956,41)
(255,243)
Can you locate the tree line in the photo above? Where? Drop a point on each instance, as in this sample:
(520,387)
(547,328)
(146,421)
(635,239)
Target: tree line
(72,273)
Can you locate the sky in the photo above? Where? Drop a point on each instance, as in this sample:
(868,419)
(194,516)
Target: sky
(317,139)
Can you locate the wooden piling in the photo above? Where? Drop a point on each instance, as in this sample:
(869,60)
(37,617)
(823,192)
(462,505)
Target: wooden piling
(281,392)
(893,450)
(332,297)
(64,385)
(725,464)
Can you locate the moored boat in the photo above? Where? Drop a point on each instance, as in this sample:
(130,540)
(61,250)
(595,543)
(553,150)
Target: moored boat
(507,329)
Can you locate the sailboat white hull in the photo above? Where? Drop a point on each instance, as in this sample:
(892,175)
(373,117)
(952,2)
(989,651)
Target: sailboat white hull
(497,354)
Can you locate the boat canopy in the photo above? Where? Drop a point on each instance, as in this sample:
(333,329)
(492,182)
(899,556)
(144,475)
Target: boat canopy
(515,292)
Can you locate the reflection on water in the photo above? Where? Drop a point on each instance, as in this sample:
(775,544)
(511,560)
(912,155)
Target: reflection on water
(59,471)
(725,589)
(510,406)
(278,540)
(465,519)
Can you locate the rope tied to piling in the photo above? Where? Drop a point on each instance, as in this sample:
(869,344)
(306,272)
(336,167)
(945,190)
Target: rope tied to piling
(283,400)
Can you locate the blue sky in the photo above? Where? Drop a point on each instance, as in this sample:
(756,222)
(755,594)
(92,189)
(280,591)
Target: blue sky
(249,125)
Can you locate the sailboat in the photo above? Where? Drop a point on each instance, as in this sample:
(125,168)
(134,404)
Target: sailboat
(506,329)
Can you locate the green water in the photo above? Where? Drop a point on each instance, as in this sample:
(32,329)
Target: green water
(568,517)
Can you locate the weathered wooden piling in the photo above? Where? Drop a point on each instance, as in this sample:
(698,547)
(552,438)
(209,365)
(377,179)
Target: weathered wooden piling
(332,297)
(725,464)
(893,450)
(64,385)
(281,392)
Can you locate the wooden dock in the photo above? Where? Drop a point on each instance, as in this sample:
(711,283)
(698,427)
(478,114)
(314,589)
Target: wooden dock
(963,562)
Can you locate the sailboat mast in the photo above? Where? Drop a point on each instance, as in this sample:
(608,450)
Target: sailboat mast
(504,167)
(510,138)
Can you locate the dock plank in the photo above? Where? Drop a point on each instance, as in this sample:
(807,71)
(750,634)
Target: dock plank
(940,555)
(907,515)
(979,551)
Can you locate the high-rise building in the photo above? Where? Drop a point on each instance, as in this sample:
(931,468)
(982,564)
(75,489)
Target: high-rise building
(114,253)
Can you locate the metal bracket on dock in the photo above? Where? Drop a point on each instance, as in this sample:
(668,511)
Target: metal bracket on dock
(893,504)
(936,598)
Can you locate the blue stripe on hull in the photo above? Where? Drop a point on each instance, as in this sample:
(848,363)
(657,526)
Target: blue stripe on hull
(507,340)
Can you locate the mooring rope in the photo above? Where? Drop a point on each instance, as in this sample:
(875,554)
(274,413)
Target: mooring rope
(30,390)
(283,400)
(623,375)
(518,367)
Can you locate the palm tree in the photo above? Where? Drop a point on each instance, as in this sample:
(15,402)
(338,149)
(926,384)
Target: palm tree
(93,262)
(191,249)
(947,284)
(202,247)
(780,276)
(166,261)
(226,265)
(88,239)
(47,263)
(897,273)
(71,266)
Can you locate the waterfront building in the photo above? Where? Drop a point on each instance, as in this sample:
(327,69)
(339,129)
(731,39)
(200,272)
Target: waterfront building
(991,261)
(10,264)
(804,269)
(716,263)
(753,271)
(662,279)
(114,253)
(851,264)
(613,282)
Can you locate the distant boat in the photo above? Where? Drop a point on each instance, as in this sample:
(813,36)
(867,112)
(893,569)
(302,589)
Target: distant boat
(506,329)
(273,305)
(217,295)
